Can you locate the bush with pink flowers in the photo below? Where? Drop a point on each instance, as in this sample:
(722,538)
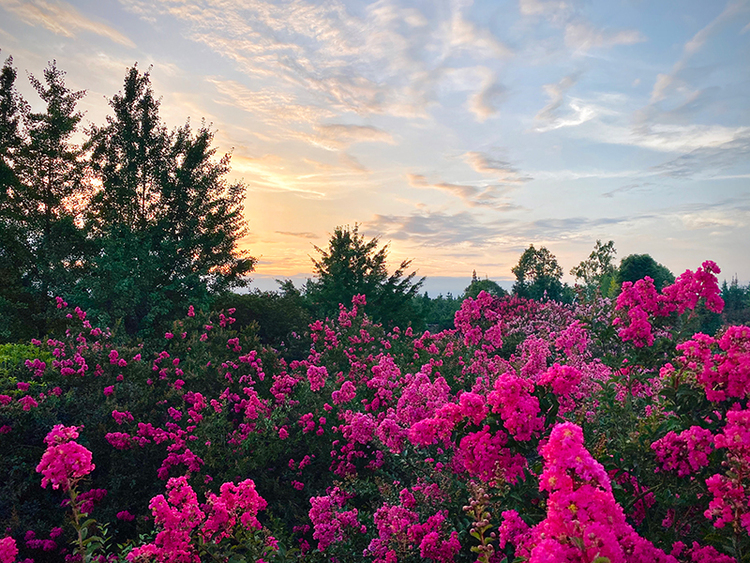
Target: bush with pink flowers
(593,432)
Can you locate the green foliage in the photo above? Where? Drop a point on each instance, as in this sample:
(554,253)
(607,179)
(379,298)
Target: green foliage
(351,266)
(437,314)
(598,270)
(280,319)
(637,266)
(166,220)
(477,285)
(14,356)
(538,275)
(162,229)
(43,183)
(736,303)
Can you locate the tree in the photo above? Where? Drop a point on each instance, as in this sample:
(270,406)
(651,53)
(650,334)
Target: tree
(437,313)
(736,303)
(637,266)
(538,275)
(16,256)
(597,272)
(351,266)
(43,186)
(166,220)
(477,285)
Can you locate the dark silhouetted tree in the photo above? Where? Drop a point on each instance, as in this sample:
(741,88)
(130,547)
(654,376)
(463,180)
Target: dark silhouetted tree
(351,266)
(44,189)
(166,219)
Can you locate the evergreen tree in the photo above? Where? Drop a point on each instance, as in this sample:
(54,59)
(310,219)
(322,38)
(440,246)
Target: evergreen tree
(16,256)
(44,190)
(351,266)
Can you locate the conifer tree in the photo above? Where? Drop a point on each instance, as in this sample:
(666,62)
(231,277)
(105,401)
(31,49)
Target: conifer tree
(352,265)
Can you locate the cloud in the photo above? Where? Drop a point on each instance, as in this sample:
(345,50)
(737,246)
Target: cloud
(381,59)
(673,138)
(582,36)
(554,10)
(483,103)
(298,235)
(473,196)
(504,171)
(549,117)
(62,19)
(338,136)
(467,230)
(467,193)
(464,35)
(272,106)
(665,83)
(268,173)
(640,187)
(436,229)
(708,160)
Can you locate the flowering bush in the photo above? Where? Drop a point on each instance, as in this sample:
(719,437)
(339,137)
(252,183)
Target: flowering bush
(594,432)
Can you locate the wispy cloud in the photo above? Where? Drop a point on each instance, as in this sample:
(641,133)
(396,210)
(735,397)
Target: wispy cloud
(436,229)
(669,81)
(272,106)
(298,235)
(503,170)
(550,9)
(473,196)
(484,103)
(709,160)
(385,61)
(338,136)
(581,36)
(62,19)
(551,117)
(639,187)
(462,34)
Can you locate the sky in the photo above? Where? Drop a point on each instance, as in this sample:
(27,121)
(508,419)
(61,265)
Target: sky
(458,132)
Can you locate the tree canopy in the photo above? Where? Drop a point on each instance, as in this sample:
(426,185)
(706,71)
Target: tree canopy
(598,270)
(352,265)
(477,285)
(538,275)
(131,225)
(637,266)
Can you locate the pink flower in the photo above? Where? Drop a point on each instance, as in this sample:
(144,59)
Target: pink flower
(8,550)
(317,377)
(64,461)
(22,386)
(110,390)
(686,453)
(28,402)
(125,516)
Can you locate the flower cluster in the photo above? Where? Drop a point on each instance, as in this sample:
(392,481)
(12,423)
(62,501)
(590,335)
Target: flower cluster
(686,452)
(64,461)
